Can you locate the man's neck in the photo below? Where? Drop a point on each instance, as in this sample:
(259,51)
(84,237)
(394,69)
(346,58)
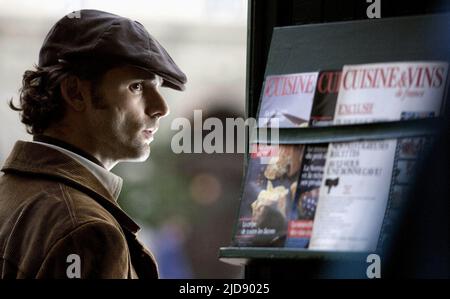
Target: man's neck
(83,142)
(68,146)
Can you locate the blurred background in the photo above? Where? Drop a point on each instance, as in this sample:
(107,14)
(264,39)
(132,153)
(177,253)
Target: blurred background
(186,204)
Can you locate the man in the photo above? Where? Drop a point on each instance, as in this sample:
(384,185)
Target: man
(92,102)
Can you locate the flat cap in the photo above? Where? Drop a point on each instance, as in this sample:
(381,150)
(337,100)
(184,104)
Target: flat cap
(95,34)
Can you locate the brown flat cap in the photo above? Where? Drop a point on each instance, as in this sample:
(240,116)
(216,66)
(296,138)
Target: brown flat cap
(95,34)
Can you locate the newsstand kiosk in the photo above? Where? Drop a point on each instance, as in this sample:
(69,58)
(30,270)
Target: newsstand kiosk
(335,216)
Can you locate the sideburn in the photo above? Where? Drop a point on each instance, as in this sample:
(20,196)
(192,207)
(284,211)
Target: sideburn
(98,100)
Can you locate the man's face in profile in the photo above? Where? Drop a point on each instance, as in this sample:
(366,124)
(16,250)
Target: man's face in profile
(124,111)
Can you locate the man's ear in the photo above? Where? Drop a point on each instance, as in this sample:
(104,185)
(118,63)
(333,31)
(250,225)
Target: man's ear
(71,91)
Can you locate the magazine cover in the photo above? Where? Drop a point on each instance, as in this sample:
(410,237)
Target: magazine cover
(269,189)
(324,104)
(385,91)
(307,195)
(287,98)
(357,176)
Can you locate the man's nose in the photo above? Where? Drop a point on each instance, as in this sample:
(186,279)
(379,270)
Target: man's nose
(156,106)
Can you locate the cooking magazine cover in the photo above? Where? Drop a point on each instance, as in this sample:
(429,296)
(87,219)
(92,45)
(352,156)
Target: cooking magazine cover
(269,190)
(288,99)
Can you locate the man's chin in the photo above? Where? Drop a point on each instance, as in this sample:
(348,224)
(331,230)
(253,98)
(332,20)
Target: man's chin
(139,156)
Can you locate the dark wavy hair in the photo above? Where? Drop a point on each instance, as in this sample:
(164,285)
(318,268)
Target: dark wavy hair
(41,104)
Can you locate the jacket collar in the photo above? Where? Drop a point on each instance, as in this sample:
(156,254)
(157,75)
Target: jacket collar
(110,181)
(67,146)
(35,158)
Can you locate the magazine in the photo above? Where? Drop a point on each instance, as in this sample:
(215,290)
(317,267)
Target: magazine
(304,206)
(288,99)
(324,104)
(270,186)
(385,91)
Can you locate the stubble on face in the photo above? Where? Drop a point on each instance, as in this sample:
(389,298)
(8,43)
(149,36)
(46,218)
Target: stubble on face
(118,129)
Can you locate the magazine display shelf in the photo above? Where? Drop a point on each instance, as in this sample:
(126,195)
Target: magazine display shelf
(357,132)
(330,46)
(242,255)
(316,135)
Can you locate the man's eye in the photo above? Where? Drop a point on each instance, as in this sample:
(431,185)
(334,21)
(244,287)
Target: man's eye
(136,87)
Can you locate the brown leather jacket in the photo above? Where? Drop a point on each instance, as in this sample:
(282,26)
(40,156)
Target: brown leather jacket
(52,207)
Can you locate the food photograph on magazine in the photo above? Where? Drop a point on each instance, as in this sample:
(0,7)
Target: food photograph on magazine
(269,190)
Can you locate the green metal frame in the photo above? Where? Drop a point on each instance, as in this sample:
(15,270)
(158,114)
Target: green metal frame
(357,132)
(242,255)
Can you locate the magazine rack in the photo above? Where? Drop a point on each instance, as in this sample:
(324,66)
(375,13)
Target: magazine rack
(309,48)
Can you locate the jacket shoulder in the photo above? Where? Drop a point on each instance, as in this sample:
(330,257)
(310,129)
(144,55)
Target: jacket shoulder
(32,226)
(82,208)
(94,249)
